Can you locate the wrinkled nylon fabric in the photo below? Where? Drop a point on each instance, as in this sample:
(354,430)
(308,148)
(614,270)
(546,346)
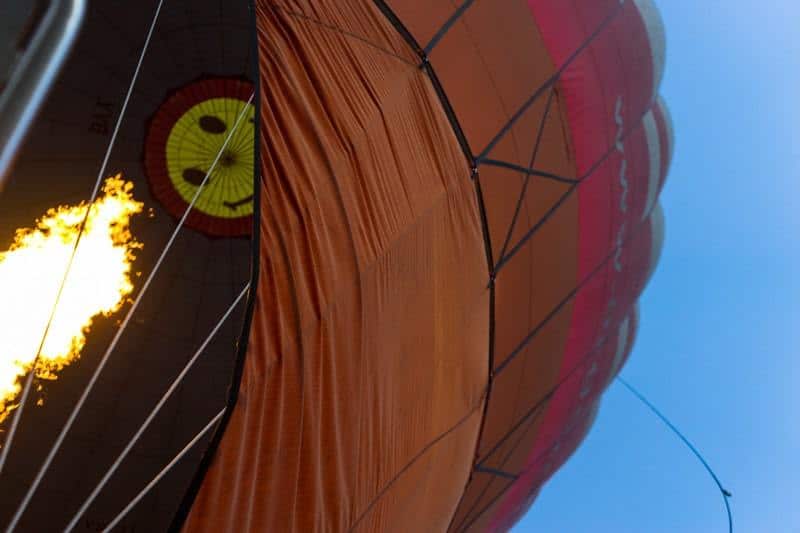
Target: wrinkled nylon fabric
(364,380)
(366,402)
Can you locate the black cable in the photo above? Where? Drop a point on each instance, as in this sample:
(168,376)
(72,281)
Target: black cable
(496,472)
(447,25)
(725,493)
(528,171)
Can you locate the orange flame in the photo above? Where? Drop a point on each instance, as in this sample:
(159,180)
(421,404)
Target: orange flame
(32,269)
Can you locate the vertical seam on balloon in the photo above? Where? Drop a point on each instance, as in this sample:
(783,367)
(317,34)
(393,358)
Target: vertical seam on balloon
(426,66)
(196,483)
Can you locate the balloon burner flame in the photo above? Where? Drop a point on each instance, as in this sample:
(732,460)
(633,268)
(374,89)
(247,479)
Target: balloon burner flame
(32,270)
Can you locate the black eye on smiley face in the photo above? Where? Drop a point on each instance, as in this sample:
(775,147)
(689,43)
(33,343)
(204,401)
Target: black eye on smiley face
(194,176)
(212,124)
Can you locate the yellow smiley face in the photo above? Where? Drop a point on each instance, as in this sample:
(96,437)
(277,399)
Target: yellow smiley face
(196,140)
(186,135)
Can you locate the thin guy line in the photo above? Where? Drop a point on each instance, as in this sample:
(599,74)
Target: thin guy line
(725,493)
(177,381)
(73,415)
(164,471)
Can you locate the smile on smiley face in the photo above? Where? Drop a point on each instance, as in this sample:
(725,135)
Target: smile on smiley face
(185,136)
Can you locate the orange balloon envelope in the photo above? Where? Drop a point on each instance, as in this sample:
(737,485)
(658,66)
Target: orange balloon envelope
(446,210)
(458,213)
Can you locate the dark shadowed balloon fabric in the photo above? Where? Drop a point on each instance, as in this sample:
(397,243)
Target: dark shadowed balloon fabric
(458,212)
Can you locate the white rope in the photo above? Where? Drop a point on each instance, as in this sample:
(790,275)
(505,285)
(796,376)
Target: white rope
(153,413)
(29,380)
(76,410)
(163,472)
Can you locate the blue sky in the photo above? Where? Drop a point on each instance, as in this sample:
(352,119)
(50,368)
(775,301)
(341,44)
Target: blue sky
(718,345)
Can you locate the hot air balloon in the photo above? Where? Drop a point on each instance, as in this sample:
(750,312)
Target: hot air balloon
(441,213)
